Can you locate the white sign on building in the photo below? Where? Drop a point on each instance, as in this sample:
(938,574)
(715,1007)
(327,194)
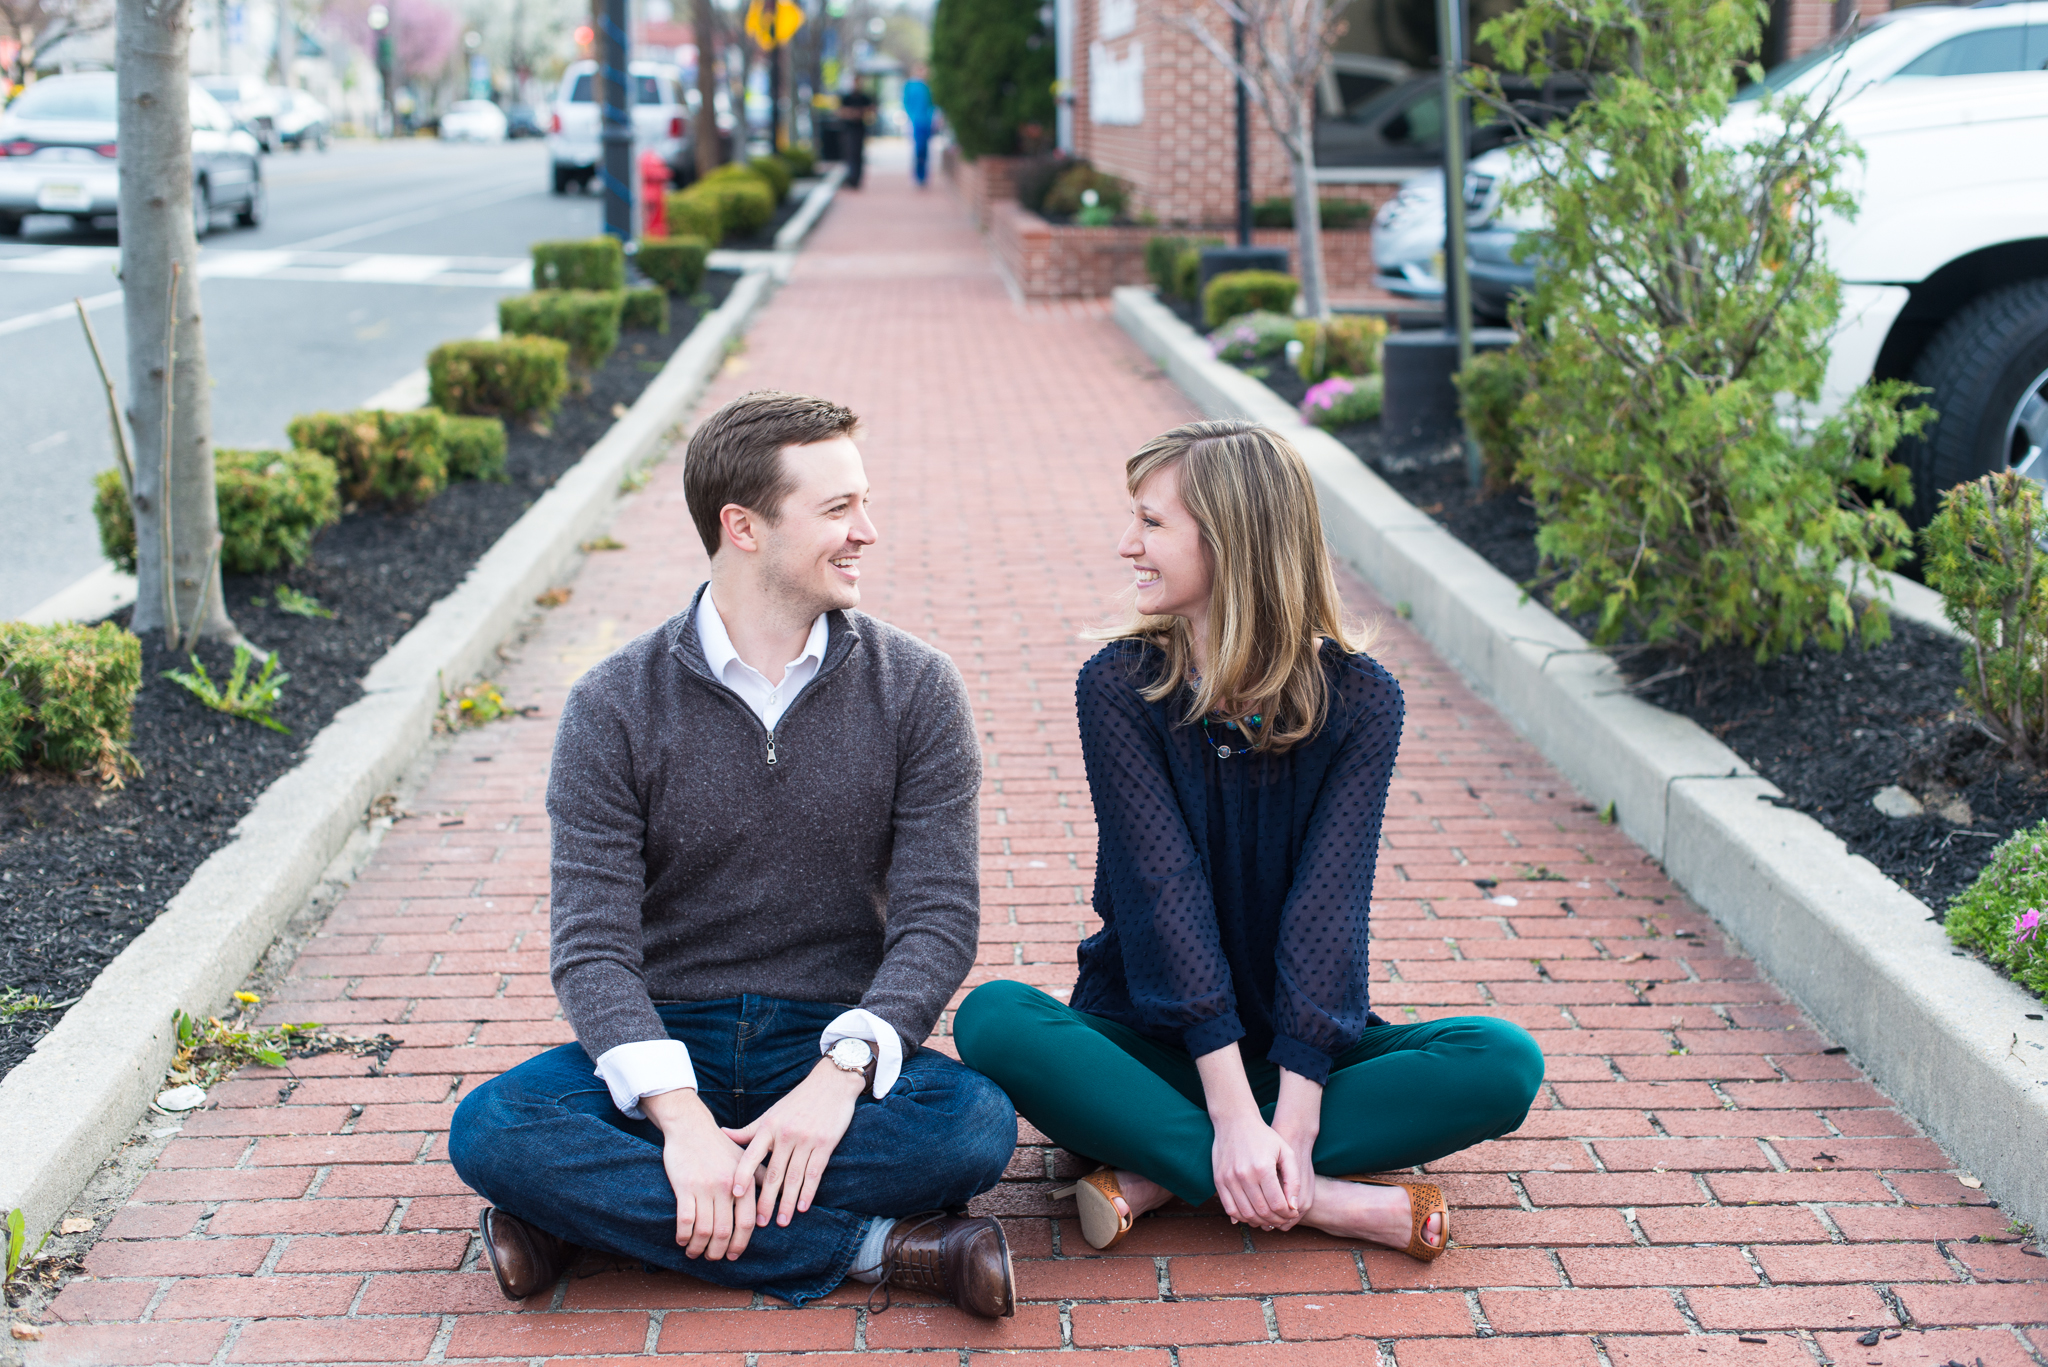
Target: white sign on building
(1116,85)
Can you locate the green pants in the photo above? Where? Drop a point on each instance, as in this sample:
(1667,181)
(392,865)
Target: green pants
(1403,1095)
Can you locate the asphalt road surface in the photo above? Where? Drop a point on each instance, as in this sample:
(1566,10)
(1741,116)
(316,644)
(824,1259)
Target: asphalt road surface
(372,254)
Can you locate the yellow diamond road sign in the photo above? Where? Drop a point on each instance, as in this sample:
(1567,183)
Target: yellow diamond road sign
(788,19)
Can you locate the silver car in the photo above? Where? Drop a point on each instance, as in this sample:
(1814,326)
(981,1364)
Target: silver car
(57,156)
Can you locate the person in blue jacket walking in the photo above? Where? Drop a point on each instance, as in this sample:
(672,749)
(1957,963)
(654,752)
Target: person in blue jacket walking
(918,108)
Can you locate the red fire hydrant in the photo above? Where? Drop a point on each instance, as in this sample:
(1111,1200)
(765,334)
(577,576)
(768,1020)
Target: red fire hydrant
(654,177)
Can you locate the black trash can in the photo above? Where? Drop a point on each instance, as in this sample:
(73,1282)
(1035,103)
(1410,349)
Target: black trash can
(1421,407)
(831,139)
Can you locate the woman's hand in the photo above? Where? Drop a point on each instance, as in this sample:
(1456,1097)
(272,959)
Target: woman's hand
(1259,1177)
(1298,1120)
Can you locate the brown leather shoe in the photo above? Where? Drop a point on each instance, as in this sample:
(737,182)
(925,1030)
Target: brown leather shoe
(526,1257)
(965,1259)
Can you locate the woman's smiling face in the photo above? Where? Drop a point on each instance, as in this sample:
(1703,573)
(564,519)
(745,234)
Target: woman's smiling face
(1164,545)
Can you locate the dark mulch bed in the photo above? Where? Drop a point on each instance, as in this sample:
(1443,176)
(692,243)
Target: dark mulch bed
(83,871)
(1829,729)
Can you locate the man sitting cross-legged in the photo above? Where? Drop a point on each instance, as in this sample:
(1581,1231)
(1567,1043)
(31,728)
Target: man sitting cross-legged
(765,890)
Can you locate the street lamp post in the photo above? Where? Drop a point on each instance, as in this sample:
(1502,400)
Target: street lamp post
(1244,142)
(612,49)
(379,19)
(1457,281)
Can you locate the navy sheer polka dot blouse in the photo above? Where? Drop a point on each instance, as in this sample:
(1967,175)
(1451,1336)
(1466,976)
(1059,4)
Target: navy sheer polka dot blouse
(1234,893)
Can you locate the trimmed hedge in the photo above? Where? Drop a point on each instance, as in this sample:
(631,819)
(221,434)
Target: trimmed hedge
(775,171)
(1174,264)
(474,448)
(745,204)
(67,696)
(645,307)
(511,377)
(383,456)
(801,161)
(1331,213)
(584,263)
(271,504)
(693,214)
(674,263)
(588,320)
(1236,292)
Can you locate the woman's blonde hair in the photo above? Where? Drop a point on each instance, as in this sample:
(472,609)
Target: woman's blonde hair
(1272,596)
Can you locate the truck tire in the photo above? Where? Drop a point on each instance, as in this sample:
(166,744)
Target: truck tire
(1987,370)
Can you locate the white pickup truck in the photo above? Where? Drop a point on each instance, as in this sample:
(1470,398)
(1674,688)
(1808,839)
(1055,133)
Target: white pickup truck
(661,121)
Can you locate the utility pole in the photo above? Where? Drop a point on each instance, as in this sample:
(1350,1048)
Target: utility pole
(1450,27)
(613,54)
(774,55)
(379,20)
(1244,142)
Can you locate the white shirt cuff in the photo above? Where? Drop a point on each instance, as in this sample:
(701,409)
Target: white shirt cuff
(645,1067)
(888,1045)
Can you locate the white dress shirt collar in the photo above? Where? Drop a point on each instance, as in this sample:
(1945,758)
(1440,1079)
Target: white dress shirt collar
(769,701)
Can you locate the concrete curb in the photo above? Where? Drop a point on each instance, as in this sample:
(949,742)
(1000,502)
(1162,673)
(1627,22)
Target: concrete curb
(1946,1036)
(78,1094)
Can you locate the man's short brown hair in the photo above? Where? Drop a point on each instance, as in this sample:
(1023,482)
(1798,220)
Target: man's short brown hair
(736,455)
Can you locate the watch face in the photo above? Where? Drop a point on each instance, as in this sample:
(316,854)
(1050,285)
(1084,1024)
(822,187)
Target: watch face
(852,1054)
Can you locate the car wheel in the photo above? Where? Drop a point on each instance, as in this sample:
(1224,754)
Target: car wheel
(202,210)
(251,214)
(1987,373)
(10,225)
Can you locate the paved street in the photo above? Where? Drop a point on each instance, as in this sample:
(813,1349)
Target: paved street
(372,254)
(1705,1174)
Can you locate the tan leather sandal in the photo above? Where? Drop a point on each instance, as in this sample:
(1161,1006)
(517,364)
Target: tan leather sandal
(1096,1195)
(1424,1200)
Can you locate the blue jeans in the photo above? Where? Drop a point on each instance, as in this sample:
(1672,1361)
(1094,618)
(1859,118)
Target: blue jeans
(545,1142)
(921,146)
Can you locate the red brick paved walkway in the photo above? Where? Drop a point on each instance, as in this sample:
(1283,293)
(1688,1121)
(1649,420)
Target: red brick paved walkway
(1702,1176)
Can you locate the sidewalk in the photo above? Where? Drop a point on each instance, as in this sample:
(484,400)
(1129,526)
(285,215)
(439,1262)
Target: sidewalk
(1704,1174)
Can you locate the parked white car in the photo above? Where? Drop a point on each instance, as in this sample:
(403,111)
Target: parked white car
(473,121)
(575,124)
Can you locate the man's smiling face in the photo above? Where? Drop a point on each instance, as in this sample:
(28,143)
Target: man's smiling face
(811,552)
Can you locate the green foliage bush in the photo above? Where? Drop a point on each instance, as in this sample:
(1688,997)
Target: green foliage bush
(1984,557)
(1187,268)
(645,308)
(773,169)
(2002,914)
(474,448)
(992,72)
(588,320)
(1490,392)
(800,160)
(67,696)
(692,213)
(1346,345)
(745,203)
(511,377)
(1278,212)
(1033,178)
(387,457)
(1343,400)
(271,504)
(1235,292)
(1677,335)
(586,263)
(674,263)
(1252,337)
(1064,198)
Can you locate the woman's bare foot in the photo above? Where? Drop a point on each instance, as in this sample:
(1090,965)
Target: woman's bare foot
(1140,1193)
(1358,1210)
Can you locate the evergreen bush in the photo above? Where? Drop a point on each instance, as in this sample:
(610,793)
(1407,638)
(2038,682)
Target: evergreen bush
(1034,178)
(1236,292)
(271,504)
(510,377)
(1490,393)
(1064,198)
(67,698)
(745,203)
(674,263)
(585,263)
(992,72)
(1278,212)
(645,308)
(588,320)
(773,169)
(387,457)
(1984,557)
(800,160)
(2004,914)
(692,213)
(1345,345)
(1676,339)
(1174,264)
(474,448)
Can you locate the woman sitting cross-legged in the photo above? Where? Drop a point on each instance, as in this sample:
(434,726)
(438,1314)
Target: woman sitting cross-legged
(1239,744)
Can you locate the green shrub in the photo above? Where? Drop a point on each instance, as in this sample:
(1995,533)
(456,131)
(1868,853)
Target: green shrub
(800,160)
(1490,392)
(1187,269)
(474,448)
(645,309)
(674,263)
(1065,197)
(271,505)
(1984,557)
(1174,264)
(67,695)
(1235,292)
(585,263)
(511,377)
(776,172)
(992,72)
(1343,400)
(745,204)
(1332,213)
(1347,345)
(1677,336)
(692,213)
(2002,914)
(1160,250)
(1252,337)
(588,320)
(387,457)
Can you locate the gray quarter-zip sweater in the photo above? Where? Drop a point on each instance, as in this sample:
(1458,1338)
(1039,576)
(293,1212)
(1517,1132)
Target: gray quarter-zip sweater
(698,856)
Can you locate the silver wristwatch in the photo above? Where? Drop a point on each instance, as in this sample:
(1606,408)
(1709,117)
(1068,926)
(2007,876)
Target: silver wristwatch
(855,1056)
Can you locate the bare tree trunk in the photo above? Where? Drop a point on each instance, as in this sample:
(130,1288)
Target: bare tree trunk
(707,86)
(170,407)
(1308,220)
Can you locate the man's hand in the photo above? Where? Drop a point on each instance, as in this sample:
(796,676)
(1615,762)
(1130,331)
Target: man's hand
(700,1161)
(795,1137)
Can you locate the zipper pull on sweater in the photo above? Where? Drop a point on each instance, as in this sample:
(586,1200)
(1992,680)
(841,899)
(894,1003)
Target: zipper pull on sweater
(771,747)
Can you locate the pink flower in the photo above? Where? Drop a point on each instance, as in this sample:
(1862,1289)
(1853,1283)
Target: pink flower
(2027,924)
(1326,394)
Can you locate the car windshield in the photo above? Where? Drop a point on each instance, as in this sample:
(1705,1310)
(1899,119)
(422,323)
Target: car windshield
(646,90)
(87,99)
(471,106)
(1784,74)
